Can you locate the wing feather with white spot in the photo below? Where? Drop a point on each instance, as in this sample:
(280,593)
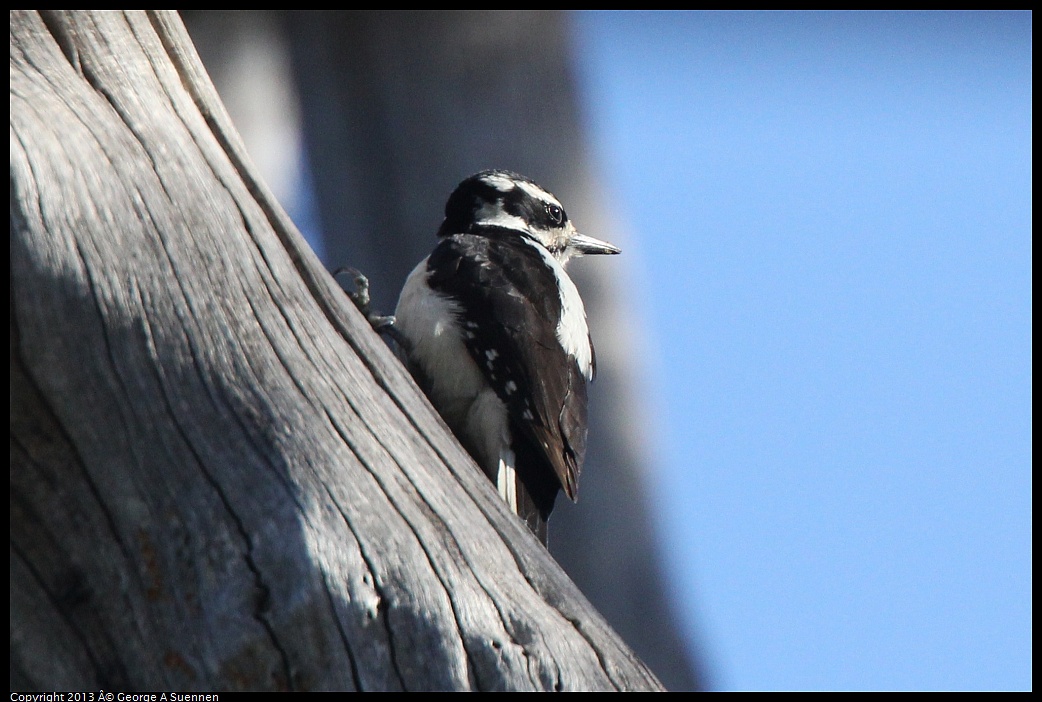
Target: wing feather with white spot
(489,276)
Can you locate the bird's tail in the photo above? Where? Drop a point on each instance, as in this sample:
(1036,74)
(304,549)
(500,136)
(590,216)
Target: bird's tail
(522,483)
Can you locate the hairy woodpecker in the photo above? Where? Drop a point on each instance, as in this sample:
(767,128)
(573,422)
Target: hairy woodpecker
(496,335)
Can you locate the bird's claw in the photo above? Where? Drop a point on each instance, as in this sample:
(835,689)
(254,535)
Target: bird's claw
(361,294)
(382,324)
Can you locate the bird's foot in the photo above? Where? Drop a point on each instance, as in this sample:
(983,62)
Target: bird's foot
(381,324)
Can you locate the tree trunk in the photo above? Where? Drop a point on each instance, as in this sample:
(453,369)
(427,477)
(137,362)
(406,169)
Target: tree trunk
(220,478)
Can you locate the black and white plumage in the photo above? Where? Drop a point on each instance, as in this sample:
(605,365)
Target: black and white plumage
(496,334)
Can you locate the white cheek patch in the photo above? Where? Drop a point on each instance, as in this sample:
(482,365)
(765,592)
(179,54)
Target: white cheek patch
(491,214)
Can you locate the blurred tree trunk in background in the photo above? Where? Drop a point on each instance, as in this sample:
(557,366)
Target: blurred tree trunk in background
(395,109)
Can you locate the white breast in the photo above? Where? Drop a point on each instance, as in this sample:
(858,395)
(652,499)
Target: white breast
(457,388)
(430,321)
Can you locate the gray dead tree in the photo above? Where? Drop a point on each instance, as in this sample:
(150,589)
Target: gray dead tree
(220,477)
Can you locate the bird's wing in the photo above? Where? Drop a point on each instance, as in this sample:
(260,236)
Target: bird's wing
(489,277)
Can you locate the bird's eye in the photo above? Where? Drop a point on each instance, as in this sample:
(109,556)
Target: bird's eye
(556,213)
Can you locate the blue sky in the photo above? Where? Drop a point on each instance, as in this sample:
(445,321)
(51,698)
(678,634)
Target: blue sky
(829,219)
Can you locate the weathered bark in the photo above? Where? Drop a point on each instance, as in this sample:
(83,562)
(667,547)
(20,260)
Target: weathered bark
(220,478)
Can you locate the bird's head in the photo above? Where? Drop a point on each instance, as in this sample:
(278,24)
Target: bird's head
(505,200)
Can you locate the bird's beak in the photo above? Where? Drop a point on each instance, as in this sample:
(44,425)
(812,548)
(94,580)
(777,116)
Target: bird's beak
(583,245)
